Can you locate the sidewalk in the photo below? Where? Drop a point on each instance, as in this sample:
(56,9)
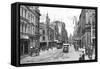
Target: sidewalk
(21,57)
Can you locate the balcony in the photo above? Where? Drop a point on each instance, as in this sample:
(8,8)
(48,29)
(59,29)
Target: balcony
(23,18)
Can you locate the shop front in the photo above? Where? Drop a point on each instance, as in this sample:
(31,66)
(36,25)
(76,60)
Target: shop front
(28,44)
(24,45)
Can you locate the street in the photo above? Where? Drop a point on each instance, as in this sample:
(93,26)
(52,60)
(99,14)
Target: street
(44,36)
(53,55)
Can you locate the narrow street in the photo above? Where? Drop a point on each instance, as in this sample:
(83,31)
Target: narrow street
(53,55)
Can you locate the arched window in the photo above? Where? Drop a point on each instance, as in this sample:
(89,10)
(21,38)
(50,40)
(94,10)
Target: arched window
(23,28)
(29,29)
(32,19)
(27,15)
(21,10)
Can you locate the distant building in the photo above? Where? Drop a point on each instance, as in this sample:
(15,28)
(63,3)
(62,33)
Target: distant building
(60,33)
(29,28)
(56,29)
(42,32)
(43,39)
(46,33)
(51,32)
(70,39)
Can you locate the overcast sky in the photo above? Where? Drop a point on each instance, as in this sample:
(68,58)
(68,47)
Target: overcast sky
(62,14)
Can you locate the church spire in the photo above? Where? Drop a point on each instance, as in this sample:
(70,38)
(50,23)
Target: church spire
(47,19)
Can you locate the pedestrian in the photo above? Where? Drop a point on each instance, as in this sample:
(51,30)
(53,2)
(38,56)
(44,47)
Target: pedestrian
(82,56)
(31,52)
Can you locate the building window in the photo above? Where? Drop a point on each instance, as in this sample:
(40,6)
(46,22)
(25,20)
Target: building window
(93,33)
(93,22)
(21,26)
(29,17)
(93,40)
(89,21)
(21,11)
(32,30)
(33,19)
(43,32)
(27,28)
(43,38)
(25,13)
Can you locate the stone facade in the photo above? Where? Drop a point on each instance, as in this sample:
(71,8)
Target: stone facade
(29,28)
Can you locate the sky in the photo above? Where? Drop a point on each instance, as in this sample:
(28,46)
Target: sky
(65,15)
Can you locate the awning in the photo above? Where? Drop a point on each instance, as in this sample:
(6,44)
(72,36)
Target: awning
(24,37)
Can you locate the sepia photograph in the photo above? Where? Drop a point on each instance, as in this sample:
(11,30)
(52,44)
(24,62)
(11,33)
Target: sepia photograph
(53,34)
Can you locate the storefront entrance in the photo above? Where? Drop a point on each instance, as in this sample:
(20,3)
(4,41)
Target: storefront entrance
(43,45)
(24,44)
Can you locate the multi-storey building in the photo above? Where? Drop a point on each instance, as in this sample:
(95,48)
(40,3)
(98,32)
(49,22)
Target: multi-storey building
(60,32)
(56,29)
(88,26)
(47,35)
(51,31)
(29,28)
(86,29)
(93,23)
(43,39)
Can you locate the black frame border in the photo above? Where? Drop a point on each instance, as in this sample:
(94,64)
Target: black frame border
(16,61)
